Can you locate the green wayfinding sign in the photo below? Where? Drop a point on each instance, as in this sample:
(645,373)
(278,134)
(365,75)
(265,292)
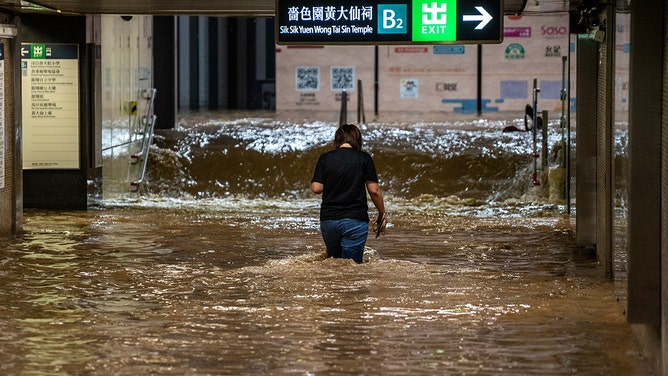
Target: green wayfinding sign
(389,21)
(50,106)
(433,22)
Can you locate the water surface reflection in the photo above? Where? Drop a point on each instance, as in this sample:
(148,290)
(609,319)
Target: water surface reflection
(155,290)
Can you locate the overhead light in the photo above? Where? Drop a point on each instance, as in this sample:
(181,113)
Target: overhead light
(27,5)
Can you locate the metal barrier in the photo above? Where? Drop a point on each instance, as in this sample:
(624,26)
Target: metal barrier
(147,139)
(343,112)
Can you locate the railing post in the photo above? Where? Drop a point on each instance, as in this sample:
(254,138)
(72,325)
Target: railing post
(534,130)
(361,118)
(147,139)
(343,113)
(544,164)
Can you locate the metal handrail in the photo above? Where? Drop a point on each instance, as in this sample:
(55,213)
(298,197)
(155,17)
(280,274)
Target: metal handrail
(148,124)
(147,137)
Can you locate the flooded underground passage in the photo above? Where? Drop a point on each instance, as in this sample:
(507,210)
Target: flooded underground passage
(217,266)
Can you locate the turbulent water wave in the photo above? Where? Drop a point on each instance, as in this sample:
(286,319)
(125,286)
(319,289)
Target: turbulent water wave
(451,165)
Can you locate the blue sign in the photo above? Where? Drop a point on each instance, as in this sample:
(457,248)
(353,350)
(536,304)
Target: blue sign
(392,19)
(449,50)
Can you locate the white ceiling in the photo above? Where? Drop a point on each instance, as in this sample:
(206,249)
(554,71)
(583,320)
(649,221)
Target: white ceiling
(258,8)
(157,7)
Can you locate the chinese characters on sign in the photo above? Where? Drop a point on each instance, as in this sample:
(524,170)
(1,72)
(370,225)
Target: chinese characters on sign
(50,101)
(330,13)
(328,20)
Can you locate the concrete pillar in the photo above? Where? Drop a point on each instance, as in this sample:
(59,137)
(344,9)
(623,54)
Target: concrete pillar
(644,218)
(605,160)
(183,61)
(164,52)
(664,201)
(647,209)
(241,43)
(585,169)
(11,185)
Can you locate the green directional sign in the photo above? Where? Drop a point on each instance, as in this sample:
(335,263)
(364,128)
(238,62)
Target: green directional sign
(37,51)
(434,21)
(389,21)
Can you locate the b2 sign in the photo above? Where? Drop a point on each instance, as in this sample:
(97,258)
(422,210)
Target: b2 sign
(389,21)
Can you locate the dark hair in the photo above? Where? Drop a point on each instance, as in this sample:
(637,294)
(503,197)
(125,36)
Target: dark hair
(348,133)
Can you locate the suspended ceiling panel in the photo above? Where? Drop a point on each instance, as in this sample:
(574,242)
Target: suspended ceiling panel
(258,8)
(261,8)
(157,7)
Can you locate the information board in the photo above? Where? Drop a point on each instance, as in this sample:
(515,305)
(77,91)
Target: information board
(50,101)
(389,22)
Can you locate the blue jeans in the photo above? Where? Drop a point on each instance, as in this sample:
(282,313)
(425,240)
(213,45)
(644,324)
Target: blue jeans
(345,238)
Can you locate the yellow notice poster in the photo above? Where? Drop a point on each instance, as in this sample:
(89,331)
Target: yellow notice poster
(50,101)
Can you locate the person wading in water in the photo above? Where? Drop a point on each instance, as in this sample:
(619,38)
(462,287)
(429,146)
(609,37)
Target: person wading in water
(343,176)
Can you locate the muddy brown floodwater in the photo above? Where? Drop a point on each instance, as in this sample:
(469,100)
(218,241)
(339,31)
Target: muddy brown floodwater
(216,266)
(208,291)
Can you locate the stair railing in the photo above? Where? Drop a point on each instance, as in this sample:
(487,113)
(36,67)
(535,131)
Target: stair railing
(147,138)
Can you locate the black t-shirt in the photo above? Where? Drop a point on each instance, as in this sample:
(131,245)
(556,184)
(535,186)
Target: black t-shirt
(344,173)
